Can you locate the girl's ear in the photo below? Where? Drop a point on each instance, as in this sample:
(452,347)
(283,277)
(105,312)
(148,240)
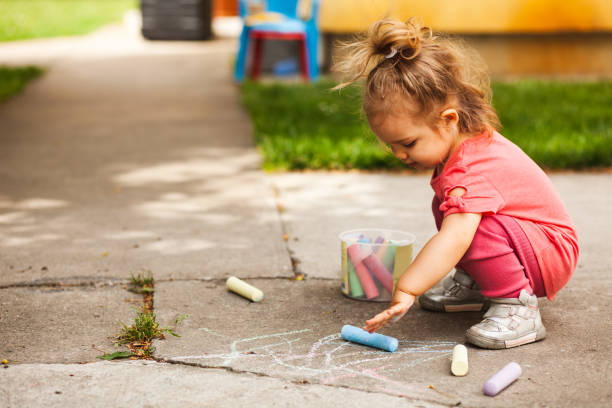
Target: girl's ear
(450,117)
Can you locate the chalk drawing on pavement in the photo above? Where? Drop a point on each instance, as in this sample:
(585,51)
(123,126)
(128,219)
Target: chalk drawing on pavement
(328,360)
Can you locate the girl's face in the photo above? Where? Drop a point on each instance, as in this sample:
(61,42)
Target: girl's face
(416,144)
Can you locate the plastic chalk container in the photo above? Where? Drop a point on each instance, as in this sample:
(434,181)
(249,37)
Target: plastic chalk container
(372,260)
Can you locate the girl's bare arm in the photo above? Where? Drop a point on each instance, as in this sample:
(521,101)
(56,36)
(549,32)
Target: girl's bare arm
(436,259)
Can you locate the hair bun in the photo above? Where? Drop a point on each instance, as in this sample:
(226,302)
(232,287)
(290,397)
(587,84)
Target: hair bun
(390,38)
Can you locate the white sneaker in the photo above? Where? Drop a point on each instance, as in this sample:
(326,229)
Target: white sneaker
(509,322)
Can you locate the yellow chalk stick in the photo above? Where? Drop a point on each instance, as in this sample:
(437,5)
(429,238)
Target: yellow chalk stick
(459,366)
(244,289)
(344,268)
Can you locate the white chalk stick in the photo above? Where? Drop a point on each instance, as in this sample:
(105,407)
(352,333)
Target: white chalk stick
(502,379)
(459,366)
(244,289)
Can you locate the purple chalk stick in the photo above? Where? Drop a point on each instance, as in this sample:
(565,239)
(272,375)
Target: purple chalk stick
(502,379)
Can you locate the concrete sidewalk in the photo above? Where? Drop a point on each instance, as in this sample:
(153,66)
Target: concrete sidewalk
(129,156)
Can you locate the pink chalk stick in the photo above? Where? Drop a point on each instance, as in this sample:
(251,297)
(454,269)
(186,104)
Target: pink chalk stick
(357,254)
(380,271)
(367,283)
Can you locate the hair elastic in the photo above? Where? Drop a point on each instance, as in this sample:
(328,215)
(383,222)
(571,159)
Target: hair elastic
(392,53)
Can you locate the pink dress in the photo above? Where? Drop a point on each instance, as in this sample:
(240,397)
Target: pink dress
(499,178)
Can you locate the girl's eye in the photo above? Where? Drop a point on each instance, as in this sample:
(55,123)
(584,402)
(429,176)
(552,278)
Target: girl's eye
(410,144)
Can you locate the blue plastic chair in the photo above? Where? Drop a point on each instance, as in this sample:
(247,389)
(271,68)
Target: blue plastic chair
(290,28)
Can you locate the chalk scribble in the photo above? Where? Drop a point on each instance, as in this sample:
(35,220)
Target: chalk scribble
(329,360)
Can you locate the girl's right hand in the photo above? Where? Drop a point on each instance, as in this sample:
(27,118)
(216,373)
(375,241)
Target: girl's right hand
(400,303)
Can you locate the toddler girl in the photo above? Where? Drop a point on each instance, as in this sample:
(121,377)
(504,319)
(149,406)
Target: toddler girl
(500,221)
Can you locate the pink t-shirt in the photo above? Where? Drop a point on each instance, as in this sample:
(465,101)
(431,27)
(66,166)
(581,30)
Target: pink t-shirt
(499,178)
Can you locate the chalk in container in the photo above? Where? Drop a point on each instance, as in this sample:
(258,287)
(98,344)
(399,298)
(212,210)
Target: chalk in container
(355,286)
(357,335)
(502,379)
(370,266)
(367,282)
(244,289)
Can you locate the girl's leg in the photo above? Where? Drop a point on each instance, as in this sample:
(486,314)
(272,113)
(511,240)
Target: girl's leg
(502,260)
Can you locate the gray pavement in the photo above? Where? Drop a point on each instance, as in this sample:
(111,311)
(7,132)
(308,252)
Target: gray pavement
(130,156)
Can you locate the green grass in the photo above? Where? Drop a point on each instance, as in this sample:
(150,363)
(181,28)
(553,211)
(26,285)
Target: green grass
(311,127)
(561,125)
(26,19)
(145,328)
(141,334)
(13,80)
(142,283)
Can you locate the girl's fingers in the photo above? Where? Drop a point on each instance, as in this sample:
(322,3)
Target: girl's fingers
(372,328)
(390,315)
(373,325)
(381,319)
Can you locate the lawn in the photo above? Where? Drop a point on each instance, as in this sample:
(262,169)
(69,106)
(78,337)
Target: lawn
(25,19)
(12,80)
(561,125)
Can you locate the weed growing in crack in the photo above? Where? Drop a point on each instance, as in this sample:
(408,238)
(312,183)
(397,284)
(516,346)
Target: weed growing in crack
(141,283)
(141,334)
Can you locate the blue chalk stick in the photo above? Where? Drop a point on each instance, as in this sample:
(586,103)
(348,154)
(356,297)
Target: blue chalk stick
(357,335)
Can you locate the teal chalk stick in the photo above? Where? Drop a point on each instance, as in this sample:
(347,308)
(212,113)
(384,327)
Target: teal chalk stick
(357,335)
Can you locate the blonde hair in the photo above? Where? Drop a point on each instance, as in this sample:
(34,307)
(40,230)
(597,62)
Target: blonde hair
(409,61)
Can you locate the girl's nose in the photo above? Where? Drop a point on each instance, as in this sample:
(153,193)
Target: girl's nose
(399,154)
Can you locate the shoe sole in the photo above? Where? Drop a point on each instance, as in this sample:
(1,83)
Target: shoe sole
(427,304)
(496,344)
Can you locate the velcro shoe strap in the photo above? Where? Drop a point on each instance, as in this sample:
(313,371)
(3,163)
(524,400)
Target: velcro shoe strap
(514,322)
(510,310)
(499,311)
(525,312)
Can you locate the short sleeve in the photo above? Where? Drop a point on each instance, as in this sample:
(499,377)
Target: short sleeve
(480,196)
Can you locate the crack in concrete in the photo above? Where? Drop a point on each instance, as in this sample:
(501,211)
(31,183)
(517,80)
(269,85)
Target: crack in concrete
(296,382)
(75,282)
(69,282)
(215,367)
(223,280)
(295,261)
